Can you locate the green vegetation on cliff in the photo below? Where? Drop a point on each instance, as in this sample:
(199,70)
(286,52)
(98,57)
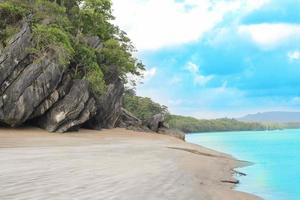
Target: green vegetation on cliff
(70,28)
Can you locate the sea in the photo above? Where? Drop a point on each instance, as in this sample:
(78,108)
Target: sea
(275,172)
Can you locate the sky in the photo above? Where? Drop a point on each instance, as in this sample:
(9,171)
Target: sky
(216,58)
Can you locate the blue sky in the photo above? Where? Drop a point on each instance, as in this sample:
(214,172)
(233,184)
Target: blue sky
(216,58)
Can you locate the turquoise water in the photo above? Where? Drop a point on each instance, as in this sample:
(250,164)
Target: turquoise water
(275,174)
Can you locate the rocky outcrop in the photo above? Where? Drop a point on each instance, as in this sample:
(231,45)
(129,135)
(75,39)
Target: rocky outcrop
(39,89)
(156,122)
(77,107)
(28,91)
(108,107)
(25,81)
(14,56)
(127,119)
(57,94)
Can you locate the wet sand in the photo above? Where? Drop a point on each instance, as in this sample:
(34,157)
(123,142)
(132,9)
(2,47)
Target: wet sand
(112,164)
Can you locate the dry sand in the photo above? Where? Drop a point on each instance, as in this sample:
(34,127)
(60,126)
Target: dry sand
(111,165)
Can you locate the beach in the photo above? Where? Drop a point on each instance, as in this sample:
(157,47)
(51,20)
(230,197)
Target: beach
(114,164)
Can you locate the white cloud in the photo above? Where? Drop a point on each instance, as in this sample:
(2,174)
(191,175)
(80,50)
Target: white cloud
(199,79)
(252,5)
(193,68)
(149,73)
(294,55)
(153,24)
(270,35)
(202,80)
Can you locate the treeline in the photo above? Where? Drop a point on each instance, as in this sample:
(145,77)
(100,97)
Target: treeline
(291,125)
(193,125)
(144,108)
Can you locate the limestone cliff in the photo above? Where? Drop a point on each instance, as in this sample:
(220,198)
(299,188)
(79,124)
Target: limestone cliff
(64,78)
(39,90)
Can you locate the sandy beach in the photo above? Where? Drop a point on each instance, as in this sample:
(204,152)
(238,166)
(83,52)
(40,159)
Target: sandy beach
(111,165)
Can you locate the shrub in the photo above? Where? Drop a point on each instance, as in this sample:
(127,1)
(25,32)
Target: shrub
(47,37)
(86,66)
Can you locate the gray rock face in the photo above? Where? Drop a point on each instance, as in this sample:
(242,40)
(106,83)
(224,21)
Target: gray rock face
(30,89)
(73,110)
(25,82)
(57,94)
(127,119)
(40,89)
(156,122)
(108,107)
(14,55)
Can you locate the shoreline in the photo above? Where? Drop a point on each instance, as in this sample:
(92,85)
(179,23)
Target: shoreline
(112,164)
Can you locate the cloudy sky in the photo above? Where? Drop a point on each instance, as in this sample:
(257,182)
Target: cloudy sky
(216,58)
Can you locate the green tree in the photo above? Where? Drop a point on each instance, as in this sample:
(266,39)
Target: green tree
(142,107)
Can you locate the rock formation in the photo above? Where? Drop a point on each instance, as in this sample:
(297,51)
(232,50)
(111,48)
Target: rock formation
(127,120)
(74,109)
(40,91)
(108,107)
(158,124)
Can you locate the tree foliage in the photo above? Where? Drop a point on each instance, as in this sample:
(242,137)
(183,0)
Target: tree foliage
(142,107)
(48,37)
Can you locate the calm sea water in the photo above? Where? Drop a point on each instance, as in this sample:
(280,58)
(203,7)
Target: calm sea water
(275,174)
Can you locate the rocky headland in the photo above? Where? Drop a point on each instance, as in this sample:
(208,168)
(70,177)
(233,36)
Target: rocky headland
(40,91)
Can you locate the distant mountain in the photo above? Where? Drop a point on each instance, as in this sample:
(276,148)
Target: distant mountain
(273,117)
